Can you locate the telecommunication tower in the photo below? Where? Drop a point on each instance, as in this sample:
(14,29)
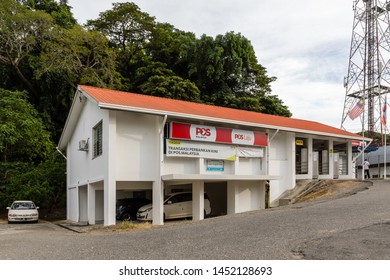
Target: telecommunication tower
(368,80)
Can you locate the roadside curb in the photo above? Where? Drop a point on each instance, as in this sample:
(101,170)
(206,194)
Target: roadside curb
(75,227)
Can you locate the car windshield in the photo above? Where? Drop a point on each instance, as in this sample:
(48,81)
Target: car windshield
(22,206)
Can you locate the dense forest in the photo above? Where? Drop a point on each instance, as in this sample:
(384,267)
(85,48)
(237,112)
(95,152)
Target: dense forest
(45,54)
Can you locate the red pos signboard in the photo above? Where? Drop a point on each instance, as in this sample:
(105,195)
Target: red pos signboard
(217,134)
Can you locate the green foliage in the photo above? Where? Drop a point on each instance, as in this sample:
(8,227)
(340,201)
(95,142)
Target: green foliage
(61,12)
(22,30)
(23,135)
(171,87)
(43,183)
(127,27)
(227,72)
(80,56)
(171,47)
(29,169)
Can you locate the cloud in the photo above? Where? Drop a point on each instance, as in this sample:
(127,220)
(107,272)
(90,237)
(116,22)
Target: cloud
(304,43)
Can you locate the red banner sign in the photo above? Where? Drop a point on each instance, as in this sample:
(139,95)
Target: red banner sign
(217,134)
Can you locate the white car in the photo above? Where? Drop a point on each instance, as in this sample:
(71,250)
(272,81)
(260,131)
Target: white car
(23,211)
(176,205)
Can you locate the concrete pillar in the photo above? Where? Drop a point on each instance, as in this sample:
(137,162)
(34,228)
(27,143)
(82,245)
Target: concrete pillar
(109,151)
(231,197)
(290,173)
(262,197)
(198,201)
(331,161)
(351,164)
(91,205)
(158,200)
(310,157)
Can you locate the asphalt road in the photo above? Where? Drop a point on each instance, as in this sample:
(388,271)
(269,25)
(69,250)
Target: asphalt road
(352,227)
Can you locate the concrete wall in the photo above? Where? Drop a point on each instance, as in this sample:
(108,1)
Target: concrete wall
(137,153)
(282,163)
(245,196)
(81,165)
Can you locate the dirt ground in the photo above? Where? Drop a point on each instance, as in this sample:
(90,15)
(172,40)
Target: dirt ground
(332,189)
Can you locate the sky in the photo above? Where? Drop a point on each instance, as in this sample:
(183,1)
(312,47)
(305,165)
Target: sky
(304,43)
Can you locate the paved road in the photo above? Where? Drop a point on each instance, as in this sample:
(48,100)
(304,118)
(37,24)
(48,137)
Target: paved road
(353,227)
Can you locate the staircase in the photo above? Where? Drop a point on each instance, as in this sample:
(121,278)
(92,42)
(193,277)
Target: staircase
(302,188)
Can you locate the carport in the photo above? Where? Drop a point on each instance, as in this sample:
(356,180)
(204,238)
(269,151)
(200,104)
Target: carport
(230,194)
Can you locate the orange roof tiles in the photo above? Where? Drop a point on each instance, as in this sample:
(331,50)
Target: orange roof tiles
(120,98)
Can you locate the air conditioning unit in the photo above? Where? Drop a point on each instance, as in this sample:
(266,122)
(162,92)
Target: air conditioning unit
(83,145)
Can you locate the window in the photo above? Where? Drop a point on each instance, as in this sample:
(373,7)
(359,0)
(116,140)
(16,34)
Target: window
(98,140)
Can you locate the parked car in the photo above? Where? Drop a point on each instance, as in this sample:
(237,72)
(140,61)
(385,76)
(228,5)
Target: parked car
(176,205)
(23,211)
(126,209)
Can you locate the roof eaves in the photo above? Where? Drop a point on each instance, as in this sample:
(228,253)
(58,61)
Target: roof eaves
(220,120)
(71,120)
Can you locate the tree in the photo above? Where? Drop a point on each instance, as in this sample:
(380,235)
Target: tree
(227,72)
(171,46)
(156,79)
(44,183)
(23,136)
(171,87)
(127,27)
(29,165)
(60,11)
(21,32)
(79,56)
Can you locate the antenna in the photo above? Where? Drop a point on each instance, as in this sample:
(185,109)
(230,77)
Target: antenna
(368,77)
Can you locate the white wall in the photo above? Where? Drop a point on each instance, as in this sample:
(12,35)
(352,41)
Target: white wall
(137,153)
(251,166)
(82,167)
(180,165)
(245,196)
(282,163)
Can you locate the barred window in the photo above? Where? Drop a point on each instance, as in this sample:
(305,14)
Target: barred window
(98,140)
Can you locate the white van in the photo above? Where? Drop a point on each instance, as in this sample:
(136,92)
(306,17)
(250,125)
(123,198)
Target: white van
(176,205)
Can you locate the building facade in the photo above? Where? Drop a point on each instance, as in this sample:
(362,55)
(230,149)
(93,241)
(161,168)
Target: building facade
(122,144)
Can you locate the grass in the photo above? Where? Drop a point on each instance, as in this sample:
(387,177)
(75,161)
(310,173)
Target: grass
(129,225)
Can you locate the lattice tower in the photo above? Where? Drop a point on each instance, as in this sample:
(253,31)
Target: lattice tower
(368,77)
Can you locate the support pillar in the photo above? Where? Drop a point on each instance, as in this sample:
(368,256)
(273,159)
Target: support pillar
(109,150)
(91,205)
(198,201)
(158,201)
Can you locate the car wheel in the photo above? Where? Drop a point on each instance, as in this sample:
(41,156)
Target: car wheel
(126,217)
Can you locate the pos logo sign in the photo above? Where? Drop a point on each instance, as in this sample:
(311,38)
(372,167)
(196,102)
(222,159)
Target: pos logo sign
(203,133)
(243,137)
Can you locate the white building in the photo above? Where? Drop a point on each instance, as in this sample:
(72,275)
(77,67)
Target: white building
(122,144)
(378,159)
